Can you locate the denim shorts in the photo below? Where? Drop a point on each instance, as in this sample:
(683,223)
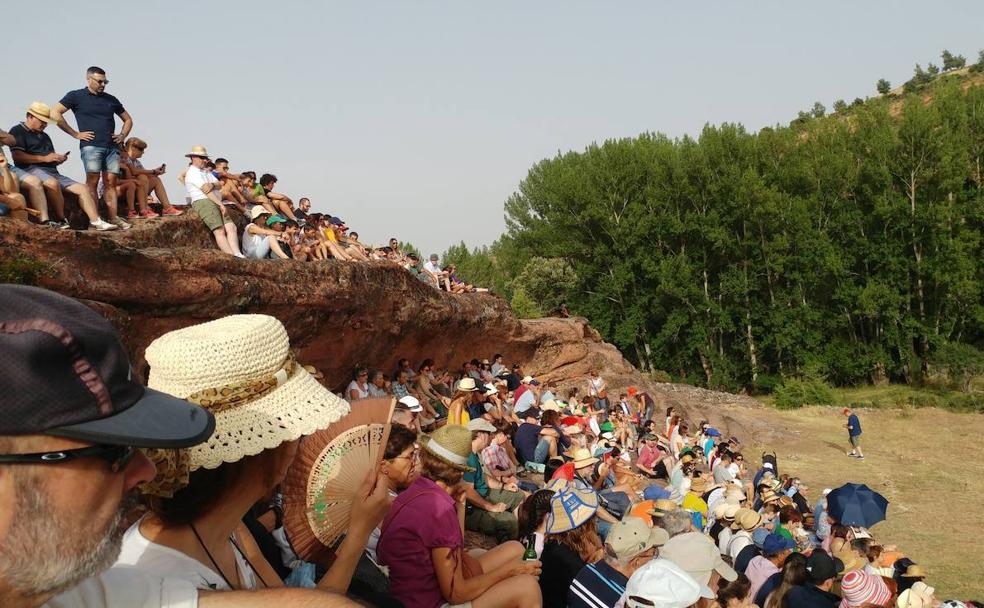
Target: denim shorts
(46,173)
(97,160)
(20,173)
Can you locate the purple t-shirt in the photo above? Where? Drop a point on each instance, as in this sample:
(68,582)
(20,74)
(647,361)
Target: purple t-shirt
(423,517)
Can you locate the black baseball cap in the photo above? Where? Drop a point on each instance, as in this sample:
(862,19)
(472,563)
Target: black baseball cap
(67,374)
(821,567)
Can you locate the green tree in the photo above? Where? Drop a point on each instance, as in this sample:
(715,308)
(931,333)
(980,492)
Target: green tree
(883,86)
(932,70)
(840,105)
(818,110)
(953,62)
(978,66)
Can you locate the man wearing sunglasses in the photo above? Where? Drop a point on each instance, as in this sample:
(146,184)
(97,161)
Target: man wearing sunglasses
(71,421)
(99,145)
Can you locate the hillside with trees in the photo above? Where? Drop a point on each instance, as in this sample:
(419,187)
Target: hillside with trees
(847,250)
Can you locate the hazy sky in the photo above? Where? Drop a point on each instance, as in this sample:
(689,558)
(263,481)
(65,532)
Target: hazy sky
(418,118)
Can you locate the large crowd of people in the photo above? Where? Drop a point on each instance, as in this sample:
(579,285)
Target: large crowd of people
(34,189)
(584,500)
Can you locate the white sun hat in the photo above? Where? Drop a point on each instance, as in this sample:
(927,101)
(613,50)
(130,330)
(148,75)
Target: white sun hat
(241,369)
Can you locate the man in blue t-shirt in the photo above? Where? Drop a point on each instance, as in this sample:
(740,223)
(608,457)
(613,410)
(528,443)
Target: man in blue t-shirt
(95,114)
(854,433)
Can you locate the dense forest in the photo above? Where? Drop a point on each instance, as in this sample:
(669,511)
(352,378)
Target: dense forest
(844,246)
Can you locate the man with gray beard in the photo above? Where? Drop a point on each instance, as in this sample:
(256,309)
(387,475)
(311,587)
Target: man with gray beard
(72,418)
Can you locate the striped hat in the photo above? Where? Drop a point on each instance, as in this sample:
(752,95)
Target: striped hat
(571,507)
(860,588)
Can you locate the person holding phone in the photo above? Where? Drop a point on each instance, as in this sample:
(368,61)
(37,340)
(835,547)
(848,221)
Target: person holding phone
(34,153)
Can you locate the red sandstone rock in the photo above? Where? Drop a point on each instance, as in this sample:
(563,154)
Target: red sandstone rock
(165,274)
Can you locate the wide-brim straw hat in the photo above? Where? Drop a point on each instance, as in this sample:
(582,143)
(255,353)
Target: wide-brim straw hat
(451,444)
(570,508)
(749,520)
(197,151)
(241,369)
(582,458)
(662,506)
(41,111)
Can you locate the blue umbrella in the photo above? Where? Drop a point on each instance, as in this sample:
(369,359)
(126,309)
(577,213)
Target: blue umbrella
(855,504)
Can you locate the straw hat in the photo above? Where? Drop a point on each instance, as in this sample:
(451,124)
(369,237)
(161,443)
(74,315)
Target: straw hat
(240,368)
(915,571)
(197,151)
(41,111)
(919,595)
(550,406)
(700,485)
(851,560)
(574,429)
(451,444)
(467,385)
(663,506)
(749,520)
(732,511)
(556,485)
(569,508)
(583,458)
(741,512)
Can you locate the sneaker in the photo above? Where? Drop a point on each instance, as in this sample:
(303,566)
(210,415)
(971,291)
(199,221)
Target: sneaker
(132,215)
(172,211)
(122,223)
(149,214)
(52,224)
(101,225)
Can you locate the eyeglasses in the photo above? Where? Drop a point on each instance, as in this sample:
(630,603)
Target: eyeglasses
(99,81)
(118,456)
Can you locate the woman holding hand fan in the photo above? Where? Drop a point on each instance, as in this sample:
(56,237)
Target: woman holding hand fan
(241,369)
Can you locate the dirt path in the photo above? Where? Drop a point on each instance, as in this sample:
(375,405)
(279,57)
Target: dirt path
(919,460)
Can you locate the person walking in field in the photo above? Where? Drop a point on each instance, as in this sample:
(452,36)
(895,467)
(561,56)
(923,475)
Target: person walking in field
(854,433)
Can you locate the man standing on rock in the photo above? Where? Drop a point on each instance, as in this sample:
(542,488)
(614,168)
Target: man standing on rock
(95,114)
(854,433)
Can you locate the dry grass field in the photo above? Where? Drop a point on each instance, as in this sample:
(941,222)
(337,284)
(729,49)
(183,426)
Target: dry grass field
(920,459)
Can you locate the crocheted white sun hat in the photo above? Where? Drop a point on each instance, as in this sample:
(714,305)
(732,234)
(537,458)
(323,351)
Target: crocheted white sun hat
(241,369)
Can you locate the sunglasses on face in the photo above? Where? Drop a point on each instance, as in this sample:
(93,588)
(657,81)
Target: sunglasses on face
(118,456)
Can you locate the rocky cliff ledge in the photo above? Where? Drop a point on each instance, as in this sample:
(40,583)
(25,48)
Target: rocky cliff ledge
(165,274)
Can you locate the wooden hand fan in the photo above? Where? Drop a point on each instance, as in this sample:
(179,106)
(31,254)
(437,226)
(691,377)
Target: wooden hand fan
(326,474)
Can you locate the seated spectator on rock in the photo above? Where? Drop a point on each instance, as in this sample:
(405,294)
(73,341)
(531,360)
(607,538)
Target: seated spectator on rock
(571,542)
(352,251)
(148,180)
(408,413)
(463,397)
(630,544)
(232,185)
(821,571)
(30,187)
(399,467)
(308,246)
(775,550)
(193,530)
(532,518)
(10,196)
(696,554)
(552,439)
(34,154)
(496,459)
(422,542)
(490,511)
(663,584)
(438,276)
(275,203)
(203,191)
(260,240)
(303,209)
(328,233)
(377,384)
(288,230)
(527,438)
(414,268)
(358,388)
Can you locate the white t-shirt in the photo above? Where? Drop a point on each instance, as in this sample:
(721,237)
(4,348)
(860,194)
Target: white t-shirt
(195,179)
(432,268)
(129,587)
(139,552)
(362,393)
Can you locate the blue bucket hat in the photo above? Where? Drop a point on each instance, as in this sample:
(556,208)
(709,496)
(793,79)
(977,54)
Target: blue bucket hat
(655,492)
